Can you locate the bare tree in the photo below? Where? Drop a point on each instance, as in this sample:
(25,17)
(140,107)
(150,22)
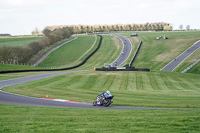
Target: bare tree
(181,27)
(188,27)
(35,32)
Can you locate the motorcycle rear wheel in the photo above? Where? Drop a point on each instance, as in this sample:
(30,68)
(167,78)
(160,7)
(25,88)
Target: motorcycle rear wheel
(106,102)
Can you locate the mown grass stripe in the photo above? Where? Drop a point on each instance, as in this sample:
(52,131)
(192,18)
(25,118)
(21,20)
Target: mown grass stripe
(153,82)
(130,84)
(195,82)
(139,81)
(147,82)
(176,85)
(187,85)
(161,83)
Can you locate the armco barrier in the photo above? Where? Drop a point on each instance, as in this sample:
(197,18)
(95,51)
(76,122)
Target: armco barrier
(126,69)
(135,54)
(68,68)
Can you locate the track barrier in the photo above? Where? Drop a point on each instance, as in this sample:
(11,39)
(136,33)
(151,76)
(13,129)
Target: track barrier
(135,54)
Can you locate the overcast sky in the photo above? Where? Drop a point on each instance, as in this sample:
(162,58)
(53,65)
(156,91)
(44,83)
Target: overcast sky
(19,17)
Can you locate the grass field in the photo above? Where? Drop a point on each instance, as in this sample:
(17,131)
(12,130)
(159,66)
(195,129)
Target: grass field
(25,119)
(155,54)
(4,67)
(69,54)
(107,53)
(17,41)
(141,89)
(195,69)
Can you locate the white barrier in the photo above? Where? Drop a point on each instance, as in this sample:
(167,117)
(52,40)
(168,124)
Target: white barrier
(188,68)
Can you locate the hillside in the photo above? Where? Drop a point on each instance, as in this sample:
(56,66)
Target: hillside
(69,54)
(155,54)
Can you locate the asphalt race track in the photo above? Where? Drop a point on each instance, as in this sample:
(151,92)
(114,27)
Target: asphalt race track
(127,47)
(178,60)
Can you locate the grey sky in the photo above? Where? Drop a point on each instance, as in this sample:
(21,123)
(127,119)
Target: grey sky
(19,17)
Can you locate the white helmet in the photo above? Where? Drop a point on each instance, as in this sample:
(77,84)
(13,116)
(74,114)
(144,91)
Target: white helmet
(108,92)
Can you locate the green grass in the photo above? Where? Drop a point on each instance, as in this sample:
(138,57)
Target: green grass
(69,54)
(25,119)
(195,69)
(17,41)
(155,54)
(5,67)
(141,89)
(107,53)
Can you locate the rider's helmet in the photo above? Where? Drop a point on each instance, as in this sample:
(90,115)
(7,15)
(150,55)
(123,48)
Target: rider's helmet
(108,92)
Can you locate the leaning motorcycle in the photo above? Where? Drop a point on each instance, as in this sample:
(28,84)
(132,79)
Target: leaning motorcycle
(103,100)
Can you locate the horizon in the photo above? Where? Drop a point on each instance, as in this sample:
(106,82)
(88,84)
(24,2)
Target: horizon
(21,17)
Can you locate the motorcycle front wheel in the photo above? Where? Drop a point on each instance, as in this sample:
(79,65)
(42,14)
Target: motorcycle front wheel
(106,102)
(94,103)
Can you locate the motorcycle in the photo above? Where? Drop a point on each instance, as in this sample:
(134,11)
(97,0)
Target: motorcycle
(103,100)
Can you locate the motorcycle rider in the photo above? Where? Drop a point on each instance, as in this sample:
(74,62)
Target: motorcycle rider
(102,95)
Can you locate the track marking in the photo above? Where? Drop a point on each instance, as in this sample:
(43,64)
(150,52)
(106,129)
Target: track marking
(60,100)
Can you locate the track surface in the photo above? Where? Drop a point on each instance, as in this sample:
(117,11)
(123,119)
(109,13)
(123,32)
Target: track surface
(178,60)
(127,47)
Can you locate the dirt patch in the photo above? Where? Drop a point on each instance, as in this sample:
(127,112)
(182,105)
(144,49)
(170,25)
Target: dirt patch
(166,56)
(117,42)
(176,48)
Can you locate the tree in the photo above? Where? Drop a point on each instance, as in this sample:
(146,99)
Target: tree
(181,27)
(35,32)
(188,27)
(167,28)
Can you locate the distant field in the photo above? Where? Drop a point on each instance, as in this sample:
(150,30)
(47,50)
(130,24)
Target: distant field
(17,41)
(69,54)
(48,119)
(4,67)
(155,54)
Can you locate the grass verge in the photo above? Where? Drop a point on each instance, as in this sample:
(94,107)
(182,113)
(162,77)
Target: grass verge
(25,119)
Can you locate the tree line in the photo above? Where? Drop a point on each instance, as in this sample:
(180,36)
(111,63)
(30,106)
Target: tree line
(22,55)
(79,29)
